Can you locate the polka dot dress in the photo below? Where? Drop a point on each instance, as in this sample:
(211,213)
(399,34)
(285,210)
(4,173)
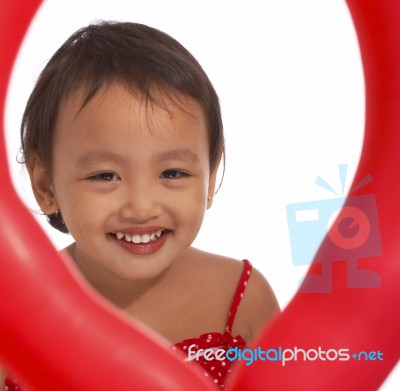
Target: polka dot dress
(216,370)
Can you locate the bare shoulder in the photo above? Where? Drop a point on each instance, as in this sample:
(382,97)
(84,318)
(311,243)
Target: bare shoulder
(216,269)
(222,275)
(259,304)
(215,275)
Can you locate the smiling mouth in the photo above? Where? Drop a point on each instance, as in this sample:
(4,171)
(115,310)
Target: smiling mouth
(139,238)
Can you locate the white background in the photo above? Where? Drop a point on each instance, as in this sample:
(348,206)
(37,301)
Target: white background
(289,77)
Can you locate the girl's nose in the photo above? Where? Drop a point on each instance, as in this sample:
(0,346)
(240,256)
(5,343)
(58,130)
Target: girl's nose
(141,204)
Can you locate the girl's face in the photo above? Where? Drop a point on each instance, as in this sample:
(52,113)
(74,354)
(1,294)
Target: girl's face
(132,182)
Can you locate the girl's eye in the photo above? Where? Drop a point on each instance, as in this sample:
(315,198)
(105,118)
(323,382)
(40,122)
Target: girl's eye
(105,177)
(173,174)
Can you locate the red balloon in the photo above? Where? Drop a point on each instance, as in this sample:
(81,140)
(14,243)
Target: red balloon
(56,333)
(364,318)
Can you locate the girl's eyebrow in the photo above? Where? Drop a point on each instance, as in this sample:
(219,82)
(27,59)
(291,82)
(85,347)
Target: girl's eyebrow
(98,156)
(178,154)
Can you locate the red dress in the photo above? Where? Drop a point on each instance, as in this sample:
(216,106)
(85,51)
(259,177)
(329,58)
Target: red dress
(216,369)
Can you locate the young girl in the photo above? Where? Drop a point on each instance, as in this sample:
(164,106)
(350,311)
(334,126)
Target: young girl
(122,137)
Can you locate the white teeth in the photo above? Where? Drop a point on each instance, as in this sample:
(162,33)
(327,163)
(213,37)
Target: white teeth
(137,238)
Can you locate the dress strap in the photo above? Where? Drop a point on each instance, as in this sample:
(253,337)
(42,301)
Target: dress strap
(247,267)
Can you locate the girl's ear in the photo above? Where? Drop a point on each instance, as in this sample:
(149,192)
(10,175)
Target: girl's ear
(211,186)
(41,186)
(213,177)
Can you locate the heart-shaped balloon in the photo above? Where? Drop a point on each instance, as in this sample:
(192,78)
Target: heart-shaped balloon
(57,334)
